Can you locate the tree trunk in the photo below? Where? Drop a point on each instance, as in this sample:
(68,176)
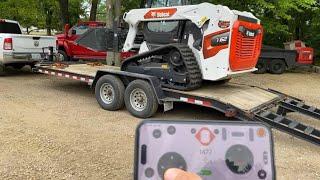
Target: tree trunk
(49,21)
(64,11)
(110,14)
(113,17)
(117,7)
(93,11)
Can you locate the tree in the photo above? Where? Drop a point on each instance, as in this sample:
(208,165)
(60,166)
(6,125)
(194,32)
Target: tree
(113,20)
(93,11)
(64,11)
(19,10)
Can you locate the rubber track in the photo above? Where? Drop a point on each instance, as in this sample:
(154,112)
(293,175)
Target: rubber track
(194,76)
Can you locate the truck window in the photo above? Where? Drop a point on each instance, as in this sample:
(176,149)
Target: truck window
(10,28)
(80,29)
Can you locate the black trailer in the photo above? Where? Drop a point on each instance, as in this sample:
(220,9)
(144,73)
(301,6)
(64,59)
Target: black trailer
(142,94)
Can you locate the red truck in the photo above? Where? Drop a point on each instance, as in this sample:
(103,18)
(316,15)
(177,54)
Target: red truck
(70,50)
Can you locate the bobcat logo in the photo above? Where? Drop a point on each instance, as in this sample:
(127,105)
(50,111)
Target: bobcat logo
(160,13)
(153,14)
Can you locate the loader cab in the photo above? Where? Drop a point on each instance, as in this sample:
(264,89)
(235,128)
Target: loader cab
(165,32)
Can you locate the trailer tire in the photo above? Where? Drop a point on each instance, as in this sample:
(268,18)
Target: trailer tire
(140,99)
(277,66)
(109,92)
(262,68)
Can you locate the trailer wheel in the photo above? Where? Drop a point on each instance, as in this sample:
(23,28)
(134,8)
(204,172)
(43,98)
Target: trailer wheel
(262,68)
(277,66)
(140,99)
(109,92)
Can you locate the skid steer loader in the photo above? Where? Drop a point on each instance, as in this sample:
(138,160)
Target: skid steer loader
(186,45)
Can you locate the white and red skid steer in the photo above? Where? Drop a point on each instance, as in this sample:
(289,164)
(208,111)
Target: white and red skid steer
(185,45)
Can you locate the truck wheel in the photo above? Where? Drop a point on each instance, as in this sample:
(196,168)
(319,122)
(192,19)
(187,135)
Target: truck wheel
(109,92)
(277,66)
(262,68)
(62,56)
(18,66)
(2,70)
(140,99)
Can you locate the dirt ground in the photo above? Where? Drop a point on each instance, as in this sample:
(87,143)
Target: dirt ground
(54,129)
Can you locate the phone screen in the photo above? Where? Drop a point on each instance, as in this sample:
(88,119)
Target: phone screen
(213,150)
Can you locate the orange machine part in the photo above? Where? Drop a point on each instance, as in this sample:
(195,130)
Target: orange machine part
(245,51)
(208,49)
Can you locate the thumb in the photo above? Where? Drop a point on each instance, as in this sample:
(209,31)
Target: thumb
(177,174)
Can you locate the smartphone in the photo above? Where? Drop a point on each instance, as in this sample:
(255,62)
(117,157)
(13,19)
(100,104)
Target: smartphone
(215,150)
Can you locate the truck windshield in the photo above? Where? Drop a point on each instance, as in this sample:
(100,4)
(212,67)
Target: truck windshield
(10,28)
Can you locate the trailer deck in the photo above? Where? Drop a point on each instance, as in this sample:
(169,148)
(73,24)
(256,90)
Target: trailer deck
(244,97)
(243,102)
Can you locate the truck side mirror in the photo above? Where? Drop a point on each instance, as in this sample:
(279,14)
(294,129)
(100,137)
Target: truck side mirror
(66,29)
(74,32)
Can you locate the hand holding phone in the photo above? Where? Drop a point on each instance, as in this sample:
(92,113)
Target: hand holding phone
(213,150)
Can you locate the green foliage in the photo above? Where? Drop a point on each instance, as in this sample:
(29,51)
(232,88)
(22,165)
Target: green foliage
(283,20)
(76,11)
(39,13)
(23,10)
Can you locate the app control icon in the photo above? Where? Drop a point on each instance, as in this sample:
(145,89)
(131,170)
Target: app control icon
(205,136)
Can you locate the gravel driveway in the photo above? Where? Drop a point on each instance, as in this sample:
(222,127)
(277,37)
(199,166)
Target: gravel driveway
(54,129)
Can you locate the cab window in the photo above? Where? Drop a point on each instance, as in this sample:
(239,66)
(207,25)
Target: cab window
(167,3)
(163,26)
(79,29)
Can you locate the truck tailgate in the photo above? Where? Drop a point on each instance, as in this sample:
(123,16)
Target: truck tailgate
(32,44)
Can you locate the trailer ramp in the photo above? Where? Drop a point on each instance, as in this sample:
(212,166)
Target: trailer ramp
(289,126)
(294,105)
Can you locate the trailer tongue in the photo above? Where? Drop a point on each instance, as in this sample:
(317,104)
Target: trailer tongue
(243,102)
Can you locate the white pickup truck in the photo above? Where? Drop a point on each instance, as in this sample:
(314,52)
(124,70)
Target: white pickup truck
(18,50)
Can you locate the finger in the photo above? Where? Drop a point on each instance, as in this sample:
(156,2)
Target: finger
(177,174)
